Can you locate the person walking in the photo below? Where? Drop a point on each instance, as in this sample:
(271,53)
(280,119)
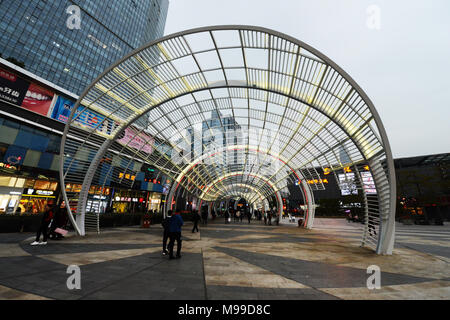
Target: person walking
(165,224)
(249,216)
(227,216)
(205,215)
(195,219)
(43,229)
(175,224)
(269,218)
(265,217)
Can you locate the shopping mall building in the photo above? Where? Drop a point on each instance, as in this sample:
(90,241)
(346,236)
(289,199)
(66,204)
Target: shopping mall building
(46,61)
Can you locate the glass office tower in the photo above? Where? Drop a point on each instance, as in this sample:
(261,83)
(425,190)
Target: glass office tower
(43,37)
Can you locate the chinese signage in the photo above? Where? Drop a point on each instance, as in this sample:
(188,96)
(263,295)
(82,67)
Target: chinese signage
(23,93)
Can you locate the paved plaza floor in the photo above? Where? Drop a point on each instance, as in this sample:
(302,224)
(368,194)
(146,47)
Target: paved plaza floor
(229,261)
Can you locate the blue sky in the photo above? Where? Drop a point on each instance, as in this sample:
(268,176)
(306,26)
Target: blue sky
(404,67)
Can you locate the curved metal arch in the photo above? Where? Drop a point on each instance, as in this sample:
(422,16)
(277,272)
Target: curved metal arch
(382,177)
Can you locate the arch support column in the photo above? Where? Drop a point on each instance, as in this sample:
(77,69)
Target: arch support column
(308,196)
(169,200)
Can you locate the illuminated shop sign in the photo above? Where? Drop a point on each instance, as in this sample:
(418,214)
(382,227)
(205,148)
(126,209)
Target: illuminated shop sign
(33,192)
(127,176)
(315,181)
(44,192)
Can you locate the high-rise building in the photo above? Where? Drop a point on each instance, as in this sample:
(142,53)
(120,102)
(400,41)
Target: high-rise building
(70,42)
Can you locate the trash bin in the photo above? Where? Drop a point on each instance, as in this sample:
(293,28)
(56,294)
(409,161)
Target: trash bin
(146,221)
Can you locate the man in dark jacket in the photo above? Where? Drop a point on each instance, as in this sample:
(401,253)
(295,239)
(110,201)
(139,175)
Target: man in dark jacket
(59,221)
(46,219)
(195,219)
(165,223)
(175,224)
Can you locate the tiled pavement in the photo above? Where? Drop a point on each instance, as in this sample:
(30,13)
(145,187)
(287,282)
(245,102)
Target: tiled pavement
(229,261)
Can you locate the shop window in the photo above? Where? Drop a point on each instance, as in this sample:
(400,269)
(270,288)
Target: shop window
(53,186)
(29,183)
(92,190)
(7,181)
(42,185)
(20,183)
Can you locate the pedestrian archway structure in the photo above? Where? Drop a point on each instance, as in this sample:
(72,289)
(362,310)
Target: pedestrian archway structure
(229,111)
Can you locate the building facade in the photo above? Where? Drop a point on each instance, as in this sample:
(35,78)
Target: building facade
(33,112)
(423,189)
(71,42)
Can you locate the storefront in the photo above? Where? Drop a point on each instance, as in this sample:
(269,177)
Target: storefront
(22,195)
(9,199)
(98,199)
(154,202)
(34,201)
(129,201)
(37,194)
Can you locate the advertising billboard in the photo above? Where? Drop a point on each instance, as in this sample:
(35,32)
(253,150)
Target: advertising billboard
(25,94)
(141,142)
(87,118)
(347,184)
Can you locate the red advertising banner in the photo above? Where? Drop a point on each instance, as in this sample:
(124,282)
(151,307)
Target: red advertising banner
(38,99)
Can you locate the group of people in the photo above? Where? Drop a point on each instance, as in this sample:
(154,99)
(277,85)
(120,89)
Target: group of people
(51,221)
(269,216)
(237,215)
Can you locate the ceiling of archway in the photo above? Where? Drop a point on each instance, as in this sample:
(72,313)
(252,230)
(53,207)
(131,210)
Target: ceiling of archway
(226,110)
